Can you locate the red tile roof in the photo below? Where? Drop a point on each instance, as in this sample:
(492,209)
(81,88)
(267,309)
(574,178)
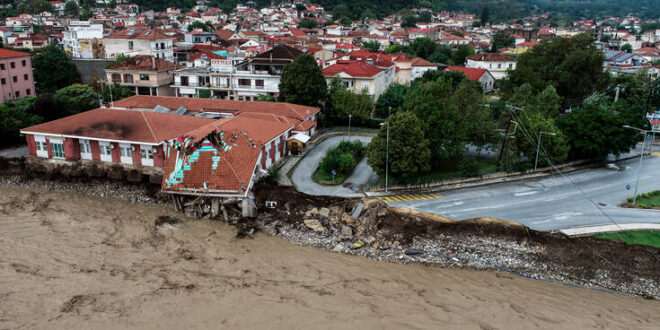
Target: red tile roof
(140,32)
(232,175)
(490,57)
(8,53)
(121,125)
(294,111)
(418,61)
(245,135)
(224,34)
(352,68)
(473,74)
(144,63)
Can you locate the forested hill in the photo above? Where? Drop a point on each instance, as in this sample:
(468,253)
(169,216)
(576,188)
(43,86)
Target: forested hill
(498,9)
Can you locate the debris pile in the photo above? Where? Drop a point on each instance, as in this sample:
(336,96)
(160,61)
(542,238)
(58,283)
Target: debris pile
(370,228)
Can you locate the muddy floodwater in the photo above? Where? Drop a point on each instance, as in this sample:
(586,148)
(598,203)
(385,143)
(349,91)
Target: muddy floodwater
(73,261)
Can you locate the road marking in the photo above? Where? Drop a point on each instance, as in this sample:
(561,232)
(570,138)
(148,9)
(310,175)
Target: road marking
(526,193)
(410,198)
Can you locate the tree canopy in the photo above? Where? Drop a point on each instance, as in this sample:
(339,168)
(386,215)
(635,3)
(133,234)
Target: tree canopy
(409,152)
(573,66)
(52,58)
(303,83)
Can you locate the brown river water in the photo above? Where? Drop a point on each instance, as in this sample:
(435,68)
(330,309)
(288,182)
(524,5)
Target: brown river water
(69,261)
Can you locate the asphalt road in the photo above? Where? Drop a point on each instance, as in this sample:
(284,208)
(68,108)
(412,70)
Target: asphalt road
(302,174)
(579,199)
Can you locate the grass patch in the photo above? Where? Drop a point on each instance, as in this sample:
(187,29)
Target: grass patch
(339,163)
(469,167)
(634,237)
(646,201)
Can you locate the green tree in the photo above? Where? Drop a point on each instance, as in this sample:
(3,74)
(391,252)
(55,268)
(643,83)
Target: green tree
(443,121)
(548,102)
(393,48)
(501,39)
(627,48)
(265,98)
(476,119)
(423,47)
(71,9)
(45,61)
(442,54)
(303,83)
(485,15)
(461,52)
(596,130)
(573,66)
(308,24)
(200,25)
(14,116)
(344,103)
(113,92)
(34,6)
(76,98)
(409,152)
(409,21)
(532,126)
(371,45)
(392,98)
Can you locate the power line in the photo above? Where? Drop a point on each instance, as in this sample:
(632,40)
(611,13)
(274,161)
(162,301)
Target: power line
(524,130)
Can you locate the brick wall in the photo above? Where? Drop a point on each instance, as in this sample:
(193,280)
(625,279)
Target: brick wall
(71,149)
(159,156)
(96,150)
(115,153)
(137,158)
(31,145)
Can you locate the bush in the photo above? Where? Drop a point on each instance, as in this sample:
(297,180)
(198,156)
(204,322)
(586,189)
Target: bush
(14,116)
(341,159)
(469,167)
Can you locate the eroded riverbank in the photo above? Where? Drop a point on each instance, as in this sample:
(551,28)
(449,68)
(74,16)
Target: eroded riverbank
(84,260)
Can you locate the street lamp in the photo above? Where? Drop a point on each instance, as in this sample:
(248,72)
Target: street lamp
(387,147)
(641,159)
(538,146)
(349,125)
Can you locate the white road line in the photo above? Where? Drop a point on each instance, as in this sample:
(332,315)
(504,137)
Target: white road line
(526,193)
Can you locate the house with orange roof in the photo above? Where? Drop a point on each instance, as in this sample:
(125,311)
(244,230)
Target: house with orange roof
(483,76)
(360,76)
(496,64)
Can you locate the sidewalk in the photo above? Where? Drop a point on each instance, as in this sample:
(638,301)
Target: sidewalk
(586,231)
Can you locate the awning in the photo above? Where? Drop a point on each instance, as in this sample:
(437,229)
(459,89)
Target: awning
(300,137)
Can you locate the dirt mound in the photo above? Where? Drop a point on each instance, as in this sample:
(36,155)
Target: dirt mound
(370,228)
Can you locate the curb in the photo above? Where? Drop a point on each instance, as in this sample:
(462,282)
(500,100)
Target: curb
(472,182)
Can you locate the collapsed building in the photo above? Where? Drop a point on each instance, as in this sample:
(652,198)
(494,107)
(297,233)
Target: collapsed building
(205,153)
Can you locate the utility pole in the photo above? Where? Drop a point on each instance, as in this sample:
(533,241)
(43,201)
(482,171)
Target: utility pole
(387,147)
(641,159)
(538,147)
(506,132)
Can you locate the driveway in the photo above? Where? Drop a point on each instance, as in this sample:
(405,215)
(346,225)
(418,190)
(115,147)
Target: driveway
(302,174)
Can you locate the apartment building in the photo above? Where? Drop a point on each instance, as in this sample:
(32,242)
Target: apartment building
(145,75)
(16,78)
(244,81)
